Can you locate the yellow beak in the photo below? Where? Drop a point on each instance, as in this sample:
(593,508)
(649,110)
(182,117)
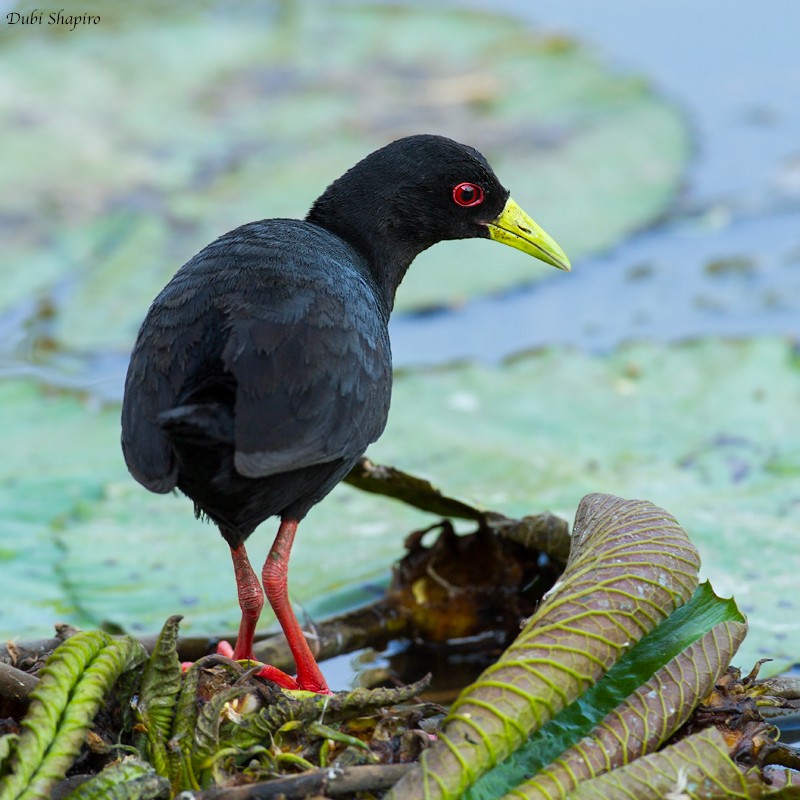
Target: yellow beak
(516,229)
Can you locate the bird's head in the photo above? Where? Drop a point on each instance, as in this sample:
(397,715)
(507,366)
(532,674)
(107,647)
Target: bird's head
(424,189)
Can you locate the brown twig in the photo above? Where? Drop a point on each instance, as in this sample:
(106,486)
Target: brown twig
(372,626)
(331,782)
(17,652)
(785,686)
(16,684)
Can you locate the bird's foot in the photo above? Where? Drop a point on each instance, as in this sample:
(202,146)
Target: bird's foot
(274,674)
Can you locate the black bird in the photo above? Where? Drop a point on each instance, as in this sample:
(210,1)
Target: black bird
(263,369)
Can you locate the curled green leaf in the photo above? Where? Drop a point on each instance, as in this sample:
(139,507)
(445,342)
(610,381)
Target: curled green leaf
(128,779)
(8,744)
(158,692)
(331,734)
(638,665)
(631,565)
(73,685)
(334,708)
(698,767)
(177,765)
(206,740)
(645,720)
(62,672)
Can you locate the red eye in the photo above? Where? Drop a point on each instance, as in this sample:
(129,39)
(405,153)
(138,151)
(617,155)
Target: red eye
(468,194)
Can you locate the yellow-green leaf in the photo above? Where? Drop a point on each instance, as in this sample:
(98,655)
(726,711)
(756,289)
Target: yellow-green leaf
(630,566)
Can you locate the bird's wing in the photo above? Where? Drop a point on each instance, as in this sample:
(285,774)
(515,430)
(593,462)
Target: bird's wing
(312,374)
(288,333)
(175,341)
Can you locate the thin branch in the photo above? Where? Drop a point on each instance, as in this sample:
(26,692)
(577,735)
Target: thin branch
(331,782)
(16,685)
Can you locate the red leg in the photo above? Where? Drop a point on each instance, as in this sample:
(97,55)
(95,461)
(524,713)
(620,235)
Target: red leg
(251,601)
(274,576)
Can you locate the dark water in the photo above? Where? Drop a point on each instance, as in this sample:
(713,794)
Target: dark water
(725,260)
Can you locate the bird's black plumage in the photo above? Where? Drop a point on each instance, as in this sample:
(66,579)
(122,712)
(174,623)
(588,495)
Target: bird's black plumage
(263,369)
(260,375)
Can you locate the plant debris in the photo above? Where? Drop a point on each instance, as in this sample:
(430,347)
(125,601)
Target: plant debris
(623,656)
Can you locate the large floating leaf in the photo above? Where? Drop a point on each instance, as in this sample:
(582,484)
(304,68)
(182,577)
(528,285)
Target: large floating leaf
(82,542)
(630,566)
(124,166)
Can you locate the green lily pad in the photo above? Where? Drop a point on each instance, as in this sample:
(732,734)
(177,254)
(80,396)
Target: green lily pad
(123,166)
(707,430)
(81,542)
(58,458)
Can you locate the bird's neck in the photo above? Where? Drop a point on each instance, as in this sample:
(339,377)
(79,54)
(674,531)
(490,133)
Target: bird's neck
(387,263)
(386,251)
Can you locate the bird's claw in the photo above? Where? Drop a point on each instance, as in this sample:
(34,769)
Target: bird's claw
(268,672)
